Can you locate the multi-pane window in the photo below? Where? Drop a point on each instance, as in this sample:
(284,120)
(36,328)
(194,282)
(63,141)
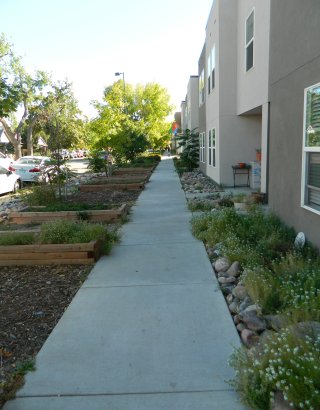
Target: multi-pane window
(311,151)
(201,88)
(212,147)
(211,66)
(249,41)
(202,144)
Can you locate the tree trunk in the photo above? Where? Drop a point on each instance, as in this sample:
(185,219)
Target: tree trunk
(29,135)
(14,136)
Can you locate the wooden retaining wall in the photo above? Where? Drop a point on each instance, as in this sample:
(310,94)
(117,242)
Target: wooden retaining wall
(51,254)
(132,171)
(115,187)
(105,215)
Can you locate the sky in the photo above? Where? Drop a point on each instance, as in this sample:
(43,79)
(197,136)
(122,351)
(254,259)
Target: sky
(88,41)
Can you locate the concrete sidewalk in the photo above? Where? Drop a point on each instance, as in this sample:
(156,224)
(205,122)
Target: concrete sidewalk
(149,329)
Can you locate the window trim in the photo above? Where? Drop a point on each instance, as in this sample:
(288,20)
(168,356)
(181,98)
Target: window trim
(212,148)
(201,88)
(305,152)
(252,40)
(211,69)
(202,147)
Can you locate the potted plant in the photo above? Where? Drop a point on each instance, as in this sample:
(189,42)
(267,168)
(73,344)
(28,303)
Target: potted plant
(258,154)
(240,202)
(258,197)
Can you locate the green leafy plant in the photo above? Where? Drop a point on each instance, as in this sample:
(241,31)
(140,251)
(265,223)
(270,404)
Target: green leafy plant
(189,158)
(40,195)
(287,362)
(17,238)
(76,232)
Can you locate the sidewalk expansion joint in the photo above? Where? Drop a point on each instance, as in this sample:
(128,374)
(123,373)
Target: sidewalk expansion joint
(159,243)
(123,394)
(137,285)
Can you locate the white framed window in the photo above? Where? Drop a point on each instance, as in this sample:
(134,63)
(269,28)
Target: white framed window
(211,65)
(202,145)
(249,41)
(310,187)
(201,88)
(212,147)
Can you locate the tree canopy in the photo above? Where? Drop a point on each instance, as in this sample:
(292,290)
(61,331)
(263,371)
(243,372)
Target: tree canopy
(38,97)
(131,116)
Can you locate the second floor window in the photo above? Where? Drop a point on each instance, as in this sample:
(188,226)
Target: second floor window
(211,69)
(201,88)
(249,41)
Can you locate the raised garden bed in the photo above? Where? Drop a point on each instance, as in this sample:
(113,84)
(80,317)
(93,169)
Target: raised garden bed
(120,179)
(132,171)
(51,254)
(110,186)
(105,215)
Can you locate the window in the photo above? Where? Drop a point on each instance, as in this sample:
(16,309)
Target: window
(249,41)
(202,144)
(311,149)
(211,69)
(213,66)
(201,88)
(212,148)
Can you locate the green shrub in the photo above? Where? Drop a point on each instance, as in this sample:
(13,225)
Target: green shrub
(40,195)
(291,285)
(12,238)
(203,205)
(76,232)
(287,362)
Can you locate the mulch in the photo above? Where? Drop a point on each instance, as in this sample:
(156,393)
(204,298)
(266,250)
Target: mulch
(33,299)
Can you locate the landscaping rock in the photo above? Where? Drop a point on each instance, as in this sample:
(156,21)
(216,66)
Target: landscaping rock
(240,292)
(249,338)
(246,303)
(234,269)
(233,307)
(227,288)
(280,403)
(303,329)
(276,322)
(252,321)
(230,298)
(252,308)
(222,280)
(236,319)
(221,265)
(240,327)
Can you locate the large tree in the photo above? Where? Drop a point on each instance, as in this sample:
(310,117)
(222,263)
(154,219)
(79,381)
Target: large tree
(128,114)
(18,88)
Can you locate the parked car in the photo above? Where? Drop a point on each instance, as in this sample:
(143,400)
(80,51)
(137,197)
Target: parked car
(32,168)
(5,161)
(9,181)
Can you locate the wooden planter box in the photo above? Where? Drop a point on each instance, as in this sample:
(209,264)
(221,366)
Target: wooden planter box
(51,254)
(104,215)
(115,187)
(121,179)
(132,171)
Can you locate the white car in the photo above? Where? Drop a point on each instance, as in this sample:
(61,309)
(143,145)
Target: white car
(31,168)
(5,161)
(9,181)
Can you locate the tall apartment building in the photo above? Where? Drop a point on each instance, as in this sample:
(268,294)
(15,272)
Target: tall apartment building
(233,87)
(294,93)
(259,89)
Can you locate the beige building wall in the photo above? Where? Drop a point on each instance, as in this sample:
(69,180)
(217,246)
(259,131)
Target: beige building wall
(192,101)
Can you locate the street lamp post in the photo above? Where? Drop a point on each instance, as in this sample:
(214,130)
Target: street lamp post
(124,90)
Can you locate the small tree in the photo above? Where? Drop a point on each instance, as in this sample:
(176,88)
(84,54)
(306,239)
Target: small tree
(189,142)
